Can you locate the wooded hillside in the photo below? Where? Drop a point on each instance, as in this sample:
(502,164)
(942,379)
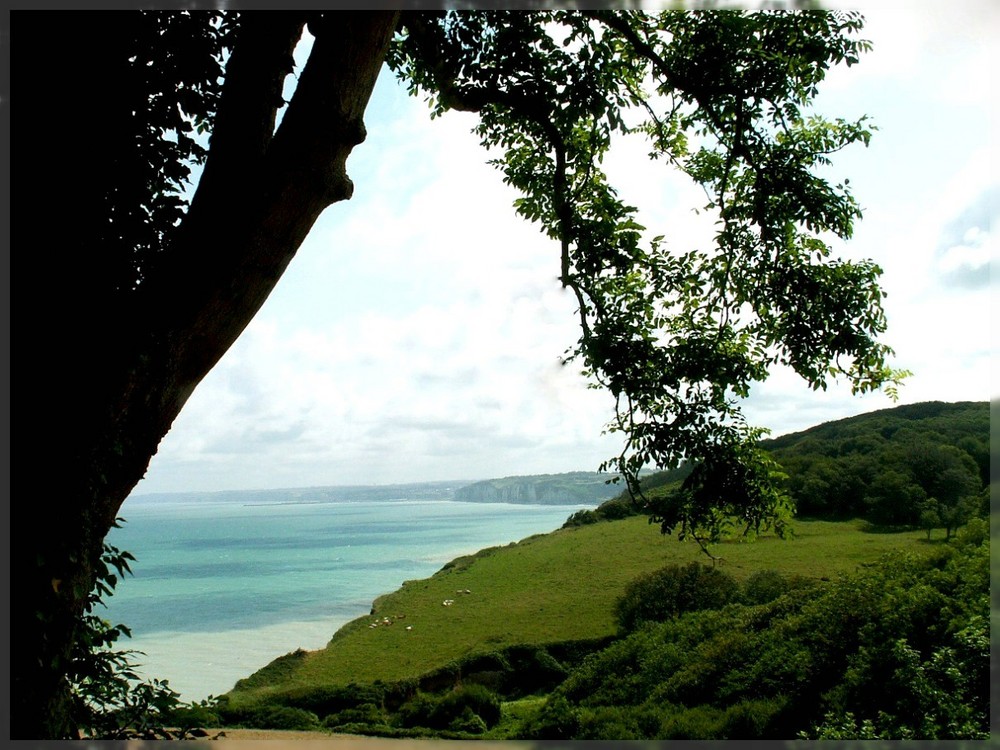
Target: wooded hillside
(921,465)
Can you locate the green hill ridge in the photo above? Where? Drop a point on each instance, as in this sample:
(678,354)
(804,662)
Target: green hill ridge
(542,489)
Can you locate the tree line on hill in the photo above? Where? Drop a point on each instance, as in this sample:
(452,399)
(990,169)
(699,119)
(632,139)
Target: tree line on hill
(921,465)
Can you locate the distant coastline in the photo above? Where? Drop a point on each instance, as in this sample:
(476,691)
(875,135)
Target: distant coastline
(537,489)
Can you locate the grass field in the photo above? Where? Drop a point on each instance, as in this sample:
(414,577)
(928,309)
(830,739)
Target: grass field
(548,588)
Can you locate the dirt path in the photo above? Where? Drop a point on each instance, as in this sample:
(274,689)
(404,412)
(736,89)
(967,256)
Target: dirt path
(277,734)
(345,741)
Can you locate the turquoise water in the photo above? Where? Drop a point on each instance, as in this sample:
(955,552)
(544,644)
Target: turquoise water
(220,588)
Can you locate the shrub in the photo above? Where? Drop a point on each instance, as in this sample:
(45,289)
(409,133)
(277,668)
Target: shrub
(819,657)
(752,719)
(194,715)
(609,723)
(764,586)
(532,669)
(468,722)
(426,710)
(698,723)
(976,531)
(558,719)
(476,698)
(365,714)
(616,509)
(283,717)
(327,700)
(610,510)
(417,711)
(671,591)
(581,518)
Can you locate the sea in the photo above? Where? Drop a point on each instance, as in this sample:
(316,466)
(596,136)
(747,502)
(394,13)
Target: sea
(224,583)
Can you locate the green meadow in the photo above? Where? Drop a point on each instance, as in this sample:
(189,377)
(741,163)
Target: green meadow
(548,588)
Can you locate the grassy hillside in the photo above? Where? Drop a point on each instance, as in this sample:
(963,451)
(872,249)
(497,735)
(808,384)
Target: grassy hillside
(547,588)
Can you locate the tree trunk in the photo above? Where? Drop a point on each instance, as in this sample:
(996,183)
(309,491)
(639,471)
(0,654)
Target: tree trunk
(114,376)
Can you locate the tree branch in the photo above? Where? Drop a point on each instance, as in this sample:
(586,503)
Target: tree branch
(247,222)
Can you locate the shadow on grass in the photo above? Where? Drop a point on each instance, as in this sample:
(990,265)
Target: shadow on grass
(870,527)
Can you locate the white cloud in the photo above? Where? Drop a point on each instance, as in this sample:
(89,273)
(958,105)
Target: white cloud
(432,394)
(974,252)
(958,39)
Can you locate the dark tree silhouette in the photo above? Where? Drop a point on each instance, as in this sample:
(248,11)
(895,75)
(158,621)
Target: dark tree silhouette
(135,295)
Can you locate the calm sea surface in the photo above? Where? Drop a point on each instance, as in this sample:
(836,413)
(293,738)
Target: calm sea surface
(220,588)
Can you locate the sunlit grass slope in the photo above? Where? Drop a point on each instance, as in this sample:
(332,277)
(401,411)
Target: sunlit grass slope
(548,588)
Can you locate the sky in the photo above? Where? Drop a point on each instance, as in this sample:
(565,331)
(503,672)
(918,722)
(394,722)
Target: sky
(417,334)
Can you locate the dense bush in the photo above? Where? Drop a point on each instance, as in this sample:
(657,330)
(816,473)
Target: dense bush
(417,711)
(558,719)
(442,712)
(532,669)
(610,723)
(752,719)
(816,661)
(582,518)
(326,700)
(194,716)
(882,466)
(610,510)
(282,717)
(697,723)
(617,508)
(673,590)
(468,722)
(476,698)
(511,672)
(364,714)
(765,586)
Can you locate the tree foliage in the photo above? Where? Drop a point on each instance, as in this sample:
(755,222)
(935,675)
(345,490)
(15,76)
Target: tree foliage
(915,465)
(165,96)
(678,335)
(668,593)
(109,700)
(889,467)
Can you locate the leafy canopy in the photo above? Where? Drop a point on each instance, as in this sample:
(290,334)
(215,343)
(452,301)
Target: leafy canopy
(163,99)
(108,700)
(678,335)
